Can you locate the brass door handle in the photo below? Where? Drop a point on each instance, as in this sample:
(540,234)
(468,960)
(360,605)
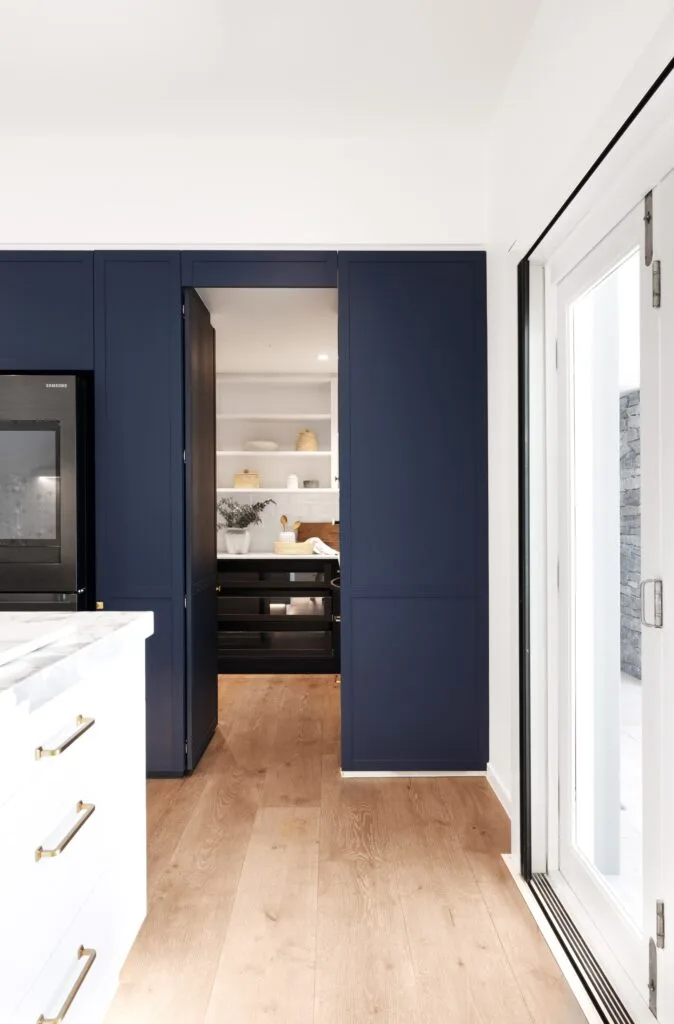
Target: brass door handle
(83,725)
(90,954)
(88,809)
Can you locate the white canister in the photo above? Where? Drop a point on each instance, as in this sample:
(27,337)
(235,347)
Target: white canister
(293,482)
(287,537)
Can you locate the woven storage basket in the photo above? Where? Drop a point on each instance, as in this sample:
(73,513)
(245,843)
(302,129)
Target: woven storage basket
(246,481)
(307,441)
(282,547)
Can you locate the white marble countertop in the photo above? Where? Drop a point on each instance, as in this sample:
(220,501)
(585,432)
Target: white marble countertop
(31,679)
(271,555)
(22,632)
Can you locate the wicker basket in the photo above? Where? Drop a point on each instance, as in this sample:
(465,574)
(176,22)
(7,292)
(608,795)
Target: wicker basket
(282,547)
(307,441)
(247,481)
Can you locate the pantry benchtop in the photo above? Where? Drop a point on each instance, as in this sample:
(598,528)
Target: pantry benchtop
(71,649)
(264,556)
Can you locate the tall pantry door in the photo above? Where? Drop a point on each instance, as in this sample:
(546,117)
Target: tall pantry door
(413,458)
(201,560)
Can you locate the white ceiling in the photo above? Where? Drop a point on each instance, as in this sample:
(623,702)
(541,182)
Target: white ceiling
(273,330)
(256,68)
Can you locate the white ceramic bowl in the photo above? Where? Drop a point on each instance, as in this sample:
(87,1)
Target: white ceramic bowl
(261,446)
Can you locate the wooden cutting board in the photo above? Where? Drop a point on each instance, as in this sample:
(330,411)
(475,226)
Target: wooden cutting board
(327,532)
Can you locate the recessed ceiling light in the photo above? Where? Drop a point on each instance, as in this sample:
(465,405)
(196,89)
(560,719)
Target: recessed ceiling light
(323,358)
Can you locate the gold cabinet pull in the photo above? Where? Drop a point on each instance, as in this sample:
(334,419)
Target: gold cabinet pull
(90,954)
(79,807)
(83,725)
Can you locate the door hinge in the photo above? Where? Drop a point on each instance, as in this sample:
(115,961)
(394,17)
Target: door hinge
(182,310)
(186,600)
(557,574)
(652,978)
(186,748)
(648,229)
(556,355)
(184,456)
(657,284)
(660,924)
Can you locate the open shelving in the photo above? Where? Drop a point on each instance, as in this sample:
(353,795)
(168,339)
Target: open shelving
(279,490)
(246,454)
(269,408)
(271,417)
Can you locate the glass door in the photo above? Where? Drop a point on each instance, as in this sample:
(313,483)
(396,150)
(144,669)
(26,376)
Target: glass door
(29,485)
(39,485)
(611,650)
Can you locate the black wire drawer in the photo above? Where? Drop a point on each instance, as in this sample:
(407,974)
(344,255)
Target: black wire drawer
(276,618)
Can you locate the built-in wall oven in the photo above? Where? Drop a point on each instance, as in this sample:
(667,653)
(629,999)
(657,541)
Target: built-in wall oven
(46,492)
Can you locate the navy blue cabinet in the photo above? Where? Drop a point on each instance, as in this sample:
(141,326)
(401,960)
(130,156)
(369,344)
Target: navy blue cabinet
(413,458)
(413,455)
(46,311)
(140,522)
(257,269)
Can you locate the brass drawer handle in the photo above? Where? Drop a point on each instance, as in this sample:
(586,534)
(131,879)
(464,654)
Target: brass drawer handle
(90,954)
(83,725)
(80,806)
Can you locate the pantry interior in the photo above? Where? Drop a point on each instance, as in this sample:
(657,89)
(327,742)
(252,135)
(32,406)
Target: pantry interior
(276,436)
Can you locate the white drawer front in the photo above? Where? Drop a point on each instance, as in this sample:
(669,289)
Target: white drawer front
(98,927)
(106,694)
(60,725)
(41,898)
(104,766)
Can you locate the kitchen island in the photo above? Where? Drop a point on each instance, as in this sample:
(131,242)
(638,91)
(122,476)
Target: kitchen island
(72,809)
(278,614)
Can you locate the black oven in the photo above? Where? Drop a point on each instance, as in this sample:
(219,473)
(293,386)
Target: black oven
(45,491)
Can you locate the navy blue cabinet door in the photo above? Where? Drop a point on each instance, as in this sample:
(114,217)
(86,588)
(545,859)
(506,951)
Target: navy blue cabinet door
(413,456)
(139,473)
(201,553)
(250,269)
(46,311)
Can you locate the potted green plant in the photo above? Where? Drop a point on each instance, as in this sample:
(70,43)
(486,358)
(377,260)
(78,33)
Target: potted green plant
(236,518)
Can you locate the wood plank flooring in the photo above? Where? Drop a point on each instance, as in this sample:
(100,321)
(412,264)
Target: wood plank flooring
(280,892)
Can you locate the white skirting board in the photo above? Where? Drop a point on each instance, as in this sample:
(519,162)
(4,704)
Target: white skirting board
(410,775)
(502,793)
(565,965)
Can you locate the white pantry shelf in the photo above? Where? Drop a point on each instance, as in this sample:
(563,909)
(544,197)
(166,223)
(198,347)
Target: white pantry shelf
(278,490)
(276,455)
(275,417)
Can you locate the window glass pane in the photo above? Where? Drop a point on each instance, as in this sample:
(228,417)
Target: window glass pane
(607,568)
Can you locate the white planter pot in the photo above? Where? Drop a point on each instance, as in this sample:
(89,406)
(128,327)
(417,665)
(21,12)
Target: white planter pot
(237,542)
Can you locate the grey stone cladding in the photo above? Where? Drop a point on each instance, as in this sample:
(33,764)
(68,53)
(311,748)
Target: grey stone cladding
(630,533)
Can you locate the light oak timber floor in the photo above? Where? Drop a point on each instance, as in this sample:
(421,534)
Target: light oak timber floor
(280,892)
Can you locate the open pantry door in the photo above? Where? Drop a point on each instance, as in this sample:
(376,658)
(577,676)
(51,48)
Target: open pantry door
(200,537)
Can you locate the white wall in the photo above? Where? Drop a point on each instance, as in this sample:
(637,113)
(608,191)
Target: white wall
(585,65)
(221,192)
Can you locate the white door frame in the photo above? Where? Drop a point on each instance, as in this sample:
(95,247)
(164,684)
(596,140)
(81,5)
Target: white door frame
(644,172)
(626,936)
